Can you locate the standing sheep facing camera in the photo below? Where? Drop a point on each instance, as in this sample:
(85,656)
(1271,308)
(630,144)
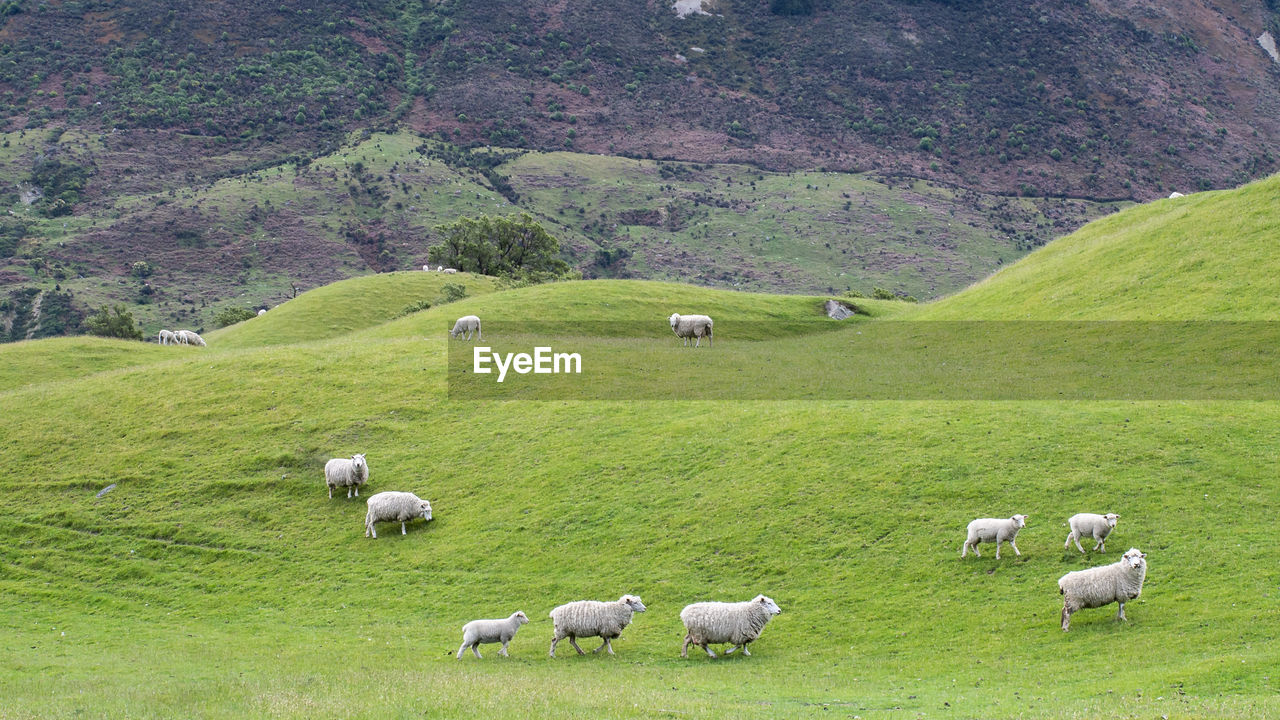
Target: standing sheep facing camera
(466,325)
(491,631)
(1118,582)
(589,618)
(994,530)
(350,474)
(718,622)
(1091,526)
(392,506)
(691,326)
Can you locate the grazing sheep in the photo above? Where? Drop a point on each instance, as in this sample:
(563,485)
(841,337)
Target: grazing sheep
(589,618)
(1093,526)
(262,311)
(1118,582)
(1175,194)
(994,530)
(394,506)
(166,337)
(426,268)
(450,271)
(350,474)
(187,337)
(491,631)
(717,622)
(691,326)
(466,325)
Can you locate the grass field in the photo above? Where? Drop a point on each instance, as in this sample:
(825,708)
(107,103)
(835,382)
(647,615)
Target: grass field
(216,579)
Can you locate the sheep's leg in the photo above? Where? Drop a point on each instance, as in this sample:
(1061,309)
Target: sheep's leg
(731,650)
(710,652)
(603,645)
(461,649)
(402,530)
(554,640)
(503,651)
(746,650)
(479,334)
(475,650)
(1120,615)
(684,649)
(572,641)
(1076,537)
(330,492)
(357,489)
(975,550)
(1014,545)
(373,530)
(1101,546)
(348,492)
(1066,618)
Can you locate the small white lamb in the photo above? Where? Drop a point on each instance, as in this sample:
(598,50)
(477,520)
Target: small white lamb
(465,326)
(491,631)
(1092,526)
(995,530)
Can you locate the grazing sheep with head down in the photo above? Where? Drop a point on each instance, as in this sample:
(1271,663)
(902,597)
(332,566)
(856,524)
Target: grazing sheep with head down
(1091,526)
(1118,582)
(466,325)
(737,623)
(491,631)
(590,618)
(691,326)
(996,530)
(394,506)
(350,474)
(166,337)
(187,337)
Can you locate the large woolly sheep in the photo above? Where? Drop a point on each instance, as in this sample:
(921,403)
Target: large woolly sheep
(691,326)
(466,325)
(1090,525)
(1118,582)
(166,337)
(348,473)
(737,623)
(188,337)
(996,530)
(491,631)
(392,506)
(591,618)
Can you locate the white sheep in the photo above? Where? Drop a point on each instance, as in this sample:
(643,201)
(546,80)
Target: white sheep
(591,618)
(491,631)
(1175,194)
(1090,525)
(450,271)
(439,268)
(262,311)
(995,530)
(166,337)
(466,325)
(691,326)
(1118,582)
(392,506)
(188,337)
(350,474)
(737,623)
(426,268)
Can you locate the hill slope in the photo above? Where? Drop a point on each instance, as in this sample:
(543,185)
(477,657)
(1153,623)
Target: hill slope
(253,594)
(1205,256)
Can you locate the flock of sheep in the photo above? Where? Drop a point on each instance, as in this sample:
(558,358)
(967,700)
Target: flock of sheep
(1094,587)
(686,327)
(179,337)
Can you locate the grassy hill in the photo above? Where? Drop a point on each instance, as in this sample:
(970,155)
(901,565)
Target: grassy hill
(234,587)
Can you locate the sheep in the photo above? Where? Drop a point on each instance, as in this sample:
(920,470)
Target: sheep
(262,311)
(450,271)
(1175,194)
(350,474)
(392,506)
(717,622)
(426,268)
(691,326)
(167,337)
(994,530)
(491,631)
(588,618)
(187,337)
(1118,582)
(466,325)
(1090,525)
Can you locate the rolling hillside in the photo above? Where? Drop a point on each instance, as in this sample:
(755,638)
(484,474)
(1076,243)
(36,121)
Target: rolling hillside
(217,566)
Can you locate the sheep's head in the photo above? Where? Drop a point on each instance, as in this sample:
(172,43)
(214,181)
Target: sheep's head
(674,320)
(358,462)
(633,602)
(520,617)
(1021,520)
(1111,519)
(424,509)
(767,604)
(1134,558)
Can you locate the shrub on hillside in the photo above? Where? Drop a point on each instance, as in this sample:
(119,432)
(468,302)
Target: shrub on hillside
(114,322)
(500,246)
(232,315)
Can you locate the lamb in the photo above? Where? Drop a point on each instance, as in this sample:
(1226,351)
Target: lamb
(392,506)
(491,631)
(587,618)
(350,474)
(994,530)
(691,326)
(1118,582)
(717,622)
(1090,525)
(167,337)
(466,325)
(187,337)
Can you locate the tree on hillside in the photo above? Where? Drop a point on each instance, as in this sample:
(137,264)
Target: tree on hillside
(491,245)
(116,322)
